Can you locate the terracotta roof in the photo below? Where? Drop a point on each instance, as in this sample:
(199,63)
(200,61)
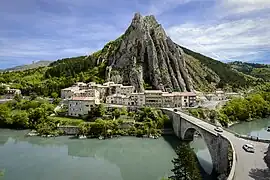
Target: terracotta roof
(187,94)
(152,91)
(167,94)
(83,98)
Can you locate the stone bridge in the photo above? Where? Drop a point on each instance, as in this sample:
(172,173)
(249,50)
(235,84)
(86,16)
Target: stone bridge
(185,126)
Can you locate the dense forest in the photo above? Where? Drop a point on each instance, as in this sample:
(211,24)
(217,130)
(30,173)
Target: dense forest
(228,75)
(253,69)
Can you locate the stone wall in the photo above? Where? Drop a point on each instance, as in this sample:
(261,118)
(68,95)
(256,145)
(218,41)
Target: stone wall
(69,130)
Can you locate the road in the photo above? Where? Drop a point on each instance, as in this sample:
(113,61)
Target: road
(212,104)
(249,166)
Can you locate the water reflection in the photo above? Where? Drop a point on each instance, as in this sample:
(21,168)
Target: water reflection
(63,158)
(60,158)
(204,157)
(253,128)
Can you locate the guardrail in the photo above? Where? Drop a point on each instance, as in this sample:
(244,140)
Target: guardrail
(233,167)
(253,138)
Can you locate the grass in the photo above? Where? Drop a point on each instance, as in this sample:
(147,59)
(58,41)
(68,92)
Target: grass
(66,120)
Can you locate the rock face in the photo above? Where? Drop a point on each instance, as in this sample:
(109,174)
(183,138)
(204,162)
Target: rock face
(146,55)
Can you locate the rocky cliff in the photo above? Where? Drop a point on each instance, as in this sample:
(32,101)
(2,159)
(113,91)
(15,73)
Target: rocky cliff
(146,55)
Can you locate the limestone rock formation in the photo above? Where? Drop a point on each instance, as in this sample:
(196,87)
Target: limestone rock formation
(144,54)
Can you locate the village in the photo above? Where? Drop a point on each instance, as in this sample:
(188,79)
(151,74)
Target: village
(81,97)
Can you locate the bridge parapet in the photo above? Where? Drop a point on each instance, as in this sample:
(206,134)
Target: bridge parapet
(218,145)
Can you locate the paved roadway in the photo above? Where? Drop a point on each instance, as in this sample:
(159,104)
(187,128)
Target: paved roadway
(249,166)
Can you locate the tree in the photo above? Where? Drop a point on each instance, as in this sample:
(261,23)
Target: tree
(100,110)
(116,113)
(20,119)
(56,101)
(124,111)
(18,97)
(185,164)
(54,95)
(2,90)
(84,128)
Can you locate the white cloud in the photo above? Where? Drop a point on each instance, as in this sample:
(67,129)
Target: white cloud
(243,6)
(158,7)
(226,41)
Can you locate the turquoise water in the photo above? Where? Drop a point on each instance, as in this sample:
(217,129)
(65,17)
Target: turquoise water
(64,158)
(253,128)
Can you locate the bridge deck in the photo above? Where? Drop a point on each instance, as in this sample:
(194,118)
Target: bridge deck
(249,166)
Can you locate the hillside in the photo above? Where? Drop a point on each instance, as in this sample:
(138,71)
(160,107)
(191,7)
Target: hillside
(144,56)
(253,69)
(28,66)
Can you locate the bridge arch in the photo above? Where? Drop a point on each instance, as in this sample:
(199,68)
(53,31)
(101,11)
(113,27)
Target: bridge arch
(185,126)
(189,137)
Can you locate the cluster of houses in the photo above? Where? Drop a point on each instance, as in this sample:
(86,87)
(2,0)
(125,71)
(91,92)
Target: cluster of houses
(82,97)
(10,93)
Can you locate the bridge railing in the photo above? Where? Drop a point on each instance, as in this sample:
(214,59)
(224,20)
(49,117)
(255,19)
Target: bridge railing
(233,167)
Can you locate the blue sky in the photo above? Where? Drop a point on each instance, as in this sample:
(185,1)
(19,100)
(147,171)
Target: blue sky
(226,30)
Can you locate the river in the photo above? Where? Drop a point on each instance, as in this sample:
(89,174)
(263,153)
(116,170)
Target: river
(256,128)
(65,158)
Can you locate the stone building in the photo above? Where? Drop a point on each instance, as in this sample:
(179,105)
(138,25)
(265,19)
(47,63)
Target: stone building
(68,93)
(11,93)
(80,106)
(153,98)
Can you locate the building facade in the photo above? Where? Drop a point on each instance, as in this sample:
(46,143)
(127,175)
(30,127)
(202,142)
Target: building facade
(82,97)
(80,106)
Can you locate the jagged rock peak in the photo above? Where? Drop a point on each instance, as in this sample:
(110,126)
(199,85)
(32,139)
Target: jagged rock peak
(145,55)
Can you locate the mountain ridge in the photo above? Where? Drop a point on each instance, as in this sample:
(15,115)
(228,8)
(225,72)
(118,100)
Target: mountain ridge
(37,64)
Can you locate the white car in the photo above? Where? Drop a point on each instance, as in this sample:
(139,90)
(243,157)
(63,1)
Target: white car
(218,129)
(249,148)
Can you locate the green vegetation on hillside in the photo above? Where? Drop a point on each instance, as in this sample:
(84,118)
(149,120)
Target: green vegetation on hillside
(252,106)
(24,114)
(228,76)
(62,73)
(257,70)
(36,114)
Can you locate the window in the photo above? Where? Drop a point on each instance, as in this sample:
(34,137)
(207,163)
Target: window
(70,105)
(185,97)
(87,105)
(91,105)
(76,103)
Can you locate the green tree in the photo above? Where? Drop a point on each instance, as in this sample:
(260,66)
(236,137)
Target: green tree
(54,95)
(20,119)
(116,113)
(100,110)
(84,128)
(18,97)
(2,90)
(124,111)
(5,115)
(185,164)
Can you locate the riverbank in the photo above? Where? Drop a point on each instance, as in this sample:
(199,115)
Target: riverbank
(255,130)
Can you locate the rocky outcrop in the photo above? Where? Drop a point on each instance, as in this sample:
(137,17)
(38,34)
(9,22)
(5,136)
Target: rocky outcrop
(146,55)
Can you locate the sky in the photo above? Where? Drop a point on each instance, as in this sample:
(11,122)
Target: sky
(227,30)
